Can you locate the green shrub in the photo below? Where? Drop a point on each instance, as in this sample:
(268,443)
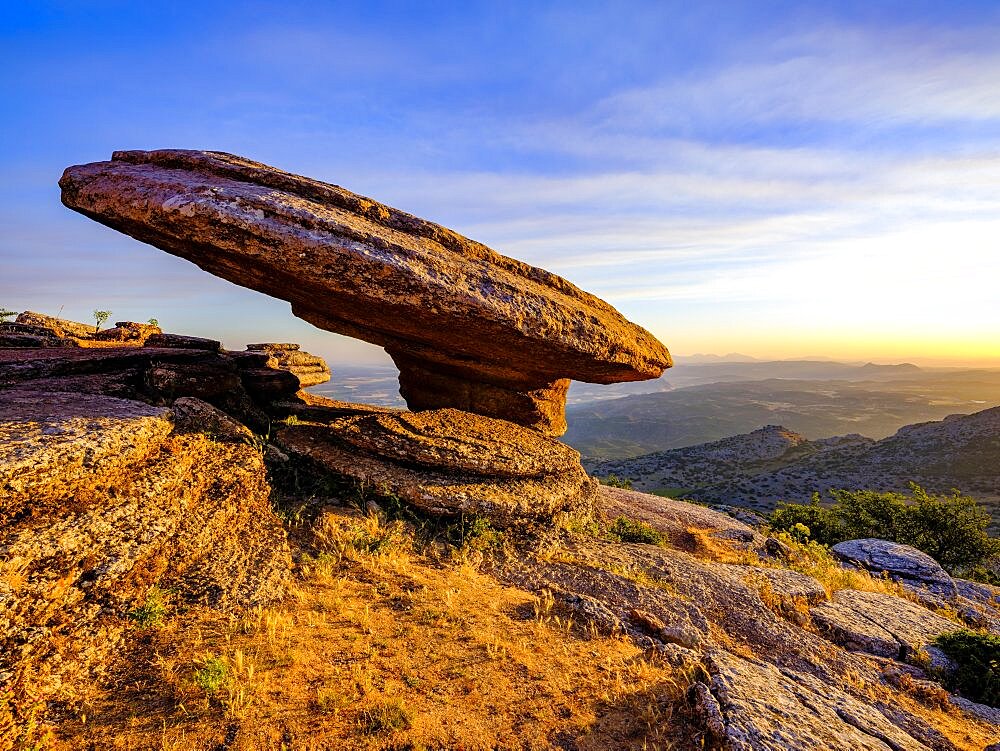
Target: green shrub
(5,314)
(822,522)
(614,481)
(977,654)
(152,612)
(101,316)
(212,675)
(952,529)
(633,530)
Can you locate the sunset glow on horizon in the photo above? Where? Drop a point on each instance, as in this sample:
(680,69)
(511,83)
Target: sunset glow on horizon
(766,179)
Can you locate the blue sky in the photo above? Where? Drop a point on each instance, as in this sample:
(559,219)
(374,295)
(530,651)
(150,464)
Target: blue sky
(778,179)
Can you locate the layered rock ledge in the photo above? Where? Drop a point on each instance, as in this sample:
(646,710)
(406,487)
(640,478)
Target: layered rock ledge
(449,462)
(467,327)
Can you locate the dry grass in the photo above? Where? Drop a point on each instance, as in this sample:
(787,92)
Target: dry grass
(795,608)
(815,560)
(383,646)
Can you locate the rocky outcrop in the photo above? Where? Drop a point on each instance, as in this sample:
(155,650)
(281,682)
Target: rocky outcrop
(880,624)
(758,706)
(309,369)
(903,563)
(58,326)
(101,498)
(56,446)
(138,361)
(467,327)
(449,462)
(127,331)
(767,672)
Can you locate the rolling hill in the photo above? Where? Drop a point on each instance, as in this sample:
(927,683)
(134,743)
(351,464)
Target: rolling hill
(772,464)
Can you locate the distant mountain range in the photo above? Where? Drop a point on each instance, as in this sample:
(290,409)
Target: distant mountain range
(816,399)
(760,468)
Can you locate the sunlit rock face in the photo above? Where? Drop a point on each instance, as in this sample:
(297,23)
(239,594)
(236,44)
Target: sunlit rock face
(449,462)
(469,328)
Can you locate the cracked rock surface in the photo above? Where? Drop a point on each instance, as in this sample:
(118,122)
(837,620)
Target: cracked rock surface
(102,499)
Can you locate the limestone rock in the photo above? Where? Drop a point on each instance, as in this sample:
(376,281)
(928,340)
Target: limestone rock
(204,380)
(978,592)
(58,326)
(58,448)
(903,563)
(114,502)
(322,409)
(878,623)
(468,327)
(128,331)
(451,469)
(309,369)
(681,522)
(268,384)
(180,341)
(770,681)
(461,442)
(764,708)
(191,415)
(158,375)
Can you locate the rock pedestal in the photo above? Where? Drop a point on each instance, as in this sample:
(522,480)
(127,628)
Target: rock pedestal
(450,462)
(468,327)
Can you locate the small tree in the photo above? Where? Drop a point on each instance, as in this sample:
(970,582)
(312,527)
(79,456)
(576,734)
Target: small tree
(977,657)
(153,322)
(101,316)
(5,314)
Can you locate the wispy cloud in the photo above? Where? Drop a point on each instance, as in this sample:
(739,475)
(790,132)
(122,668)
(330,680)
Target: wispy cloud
(821,174)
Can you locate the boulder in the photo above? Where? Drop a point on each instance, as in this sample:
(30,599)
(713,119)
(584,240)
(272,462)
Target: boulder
(128,331)
(58,326)
(455,441)
(191,415)
(751,705)
(467,327)
(449,462)
(903,563)
(180,341)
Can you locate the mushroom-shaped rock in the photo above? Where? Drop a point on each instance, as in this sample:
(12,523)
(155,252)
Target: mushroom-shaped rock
(467,327)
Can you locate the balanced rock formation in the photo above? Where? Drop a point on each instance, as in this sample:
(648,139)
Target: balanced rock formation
(448,462)
(467,327)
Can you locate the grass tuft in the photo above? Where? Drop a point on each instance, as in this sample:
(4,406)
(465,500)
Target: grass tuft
(385,716)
